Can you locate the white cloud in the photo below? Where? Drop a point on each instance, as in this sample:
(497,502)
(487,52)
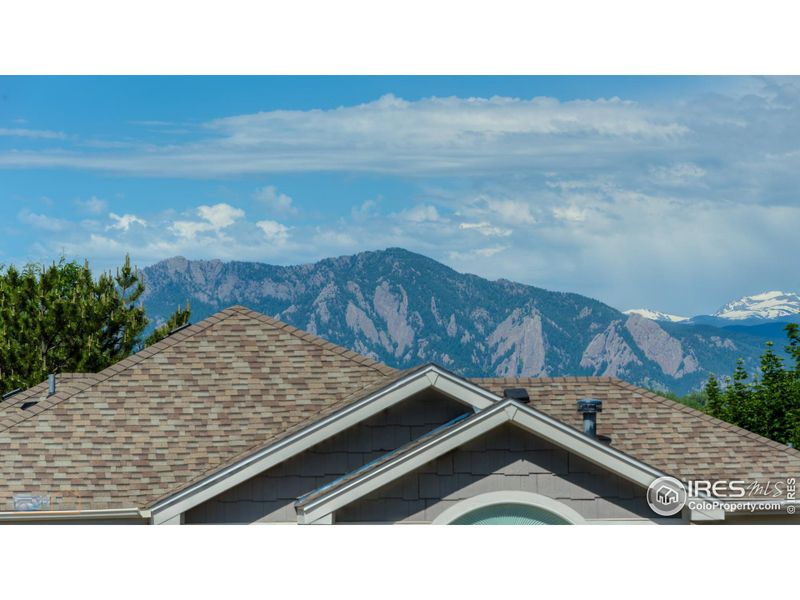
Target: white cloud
(41,221)
(486,229)
(392,135)
(420,214)
(276,202)
(124,222)
(220,215)
(93,205)
(93,248)
(466,257)
(677,174)
(215,218)
(459,121)
(510,211)
(274,231)
(570,213)
(491,251)
(364,210)
(32,133)
(493,215)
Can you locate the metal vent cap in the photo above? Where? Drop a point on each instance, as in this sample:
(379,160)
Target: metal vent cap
(590,405)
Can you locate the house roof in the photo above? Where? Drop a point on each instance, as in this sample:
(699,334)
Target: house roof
(225,388)
(667,435)
(180,408)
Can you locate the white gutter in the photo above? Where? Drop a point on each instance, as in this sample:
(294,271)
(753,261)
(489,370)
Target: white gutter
(62,515)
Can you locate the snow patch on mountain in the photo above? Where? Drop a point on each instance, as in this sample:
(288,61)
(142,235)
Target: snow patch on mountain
(655,315)
(766,305)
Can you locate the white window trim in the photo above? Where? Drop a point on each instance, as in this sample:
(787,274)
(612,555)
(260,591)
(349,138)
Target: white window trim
(429,377)
(550,505)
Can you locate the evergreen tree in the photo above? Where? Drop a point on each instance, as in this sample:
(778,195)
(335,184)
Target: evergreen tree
(793,348)
(769,404)
(60,319)
(715,405)
(772,395)
(179,318)
(737,397)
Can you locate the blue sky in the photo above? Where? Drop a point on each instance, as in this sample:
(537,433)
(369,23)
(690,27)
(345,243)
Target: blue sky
(678,194)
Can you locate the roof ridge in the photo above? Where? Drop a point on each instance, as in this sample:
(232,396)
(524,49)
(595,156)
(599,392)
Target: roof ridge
(122,365)
(561,379)
(312,338)
(793,452)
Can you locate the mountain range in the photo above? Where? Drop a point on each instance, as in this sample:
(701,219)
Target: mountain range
(403,309)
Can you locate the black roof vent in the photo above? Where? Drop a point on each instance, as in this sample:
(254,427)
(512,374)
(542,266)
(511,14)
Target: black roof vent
(27,405)
(518,394)
(11,393)
(177,329)
(589,407)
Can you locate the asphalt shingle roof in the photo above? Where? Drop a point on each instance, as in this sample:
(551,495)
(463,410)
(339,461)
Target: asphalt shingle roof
(667,435)
(174,411)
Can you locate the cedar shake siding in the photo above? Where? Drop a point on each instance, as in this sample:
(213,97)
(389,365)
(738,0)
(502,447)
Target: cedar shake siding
(506,459)
(270,496)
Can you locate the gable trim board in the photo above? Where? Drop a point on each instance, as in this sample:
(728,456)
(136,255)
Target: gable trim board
(425,378)
(325,501)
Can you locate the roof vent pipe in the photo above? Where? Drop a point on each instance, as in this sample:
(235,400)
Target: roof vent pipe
(51,384)
(589,407)
(518,394)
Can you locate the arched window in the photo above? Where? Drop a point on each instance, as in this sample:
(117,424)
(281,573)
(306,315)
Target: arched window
(509,508)
(510,514)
